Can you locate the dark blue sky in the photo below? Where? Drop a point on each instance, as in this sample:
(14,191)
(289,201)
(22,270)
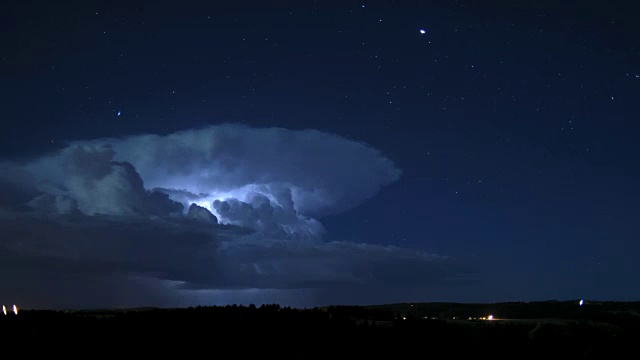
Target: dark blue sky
(515,126)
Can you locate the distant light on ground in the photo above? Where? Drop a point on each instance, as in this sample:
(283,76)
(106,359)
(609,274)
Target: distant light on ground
(4,310)
(15,309)
(490,317)
(581,302)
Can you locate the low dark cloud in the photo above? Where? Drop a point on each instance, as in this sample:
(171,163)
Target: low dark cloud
(228,211)
(52,254)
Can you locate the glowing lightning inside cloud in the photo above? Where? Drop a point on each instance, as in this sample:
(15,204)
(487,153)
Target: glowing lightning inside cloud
(269,179)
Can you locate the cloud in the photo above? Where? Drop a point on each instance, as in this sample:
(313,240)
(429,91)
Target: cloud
(274,180)
(56,257)
(284,264)
(220,209)
(325,173)
(276,217)
(86,178)
(201,214)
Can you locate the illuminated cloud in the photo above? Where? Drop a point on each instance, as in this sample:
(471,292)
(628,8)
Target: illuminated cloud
(272,180)
(88,179)
(325,173)
(159,219)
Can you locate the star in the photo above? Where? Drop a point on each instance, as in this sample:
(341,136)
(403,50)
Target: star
(423,31)
(118,113)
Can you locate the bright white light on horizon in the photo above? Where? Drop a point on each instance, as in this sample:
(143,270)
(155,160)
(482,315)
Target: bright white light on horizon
(4,309)
(490,317)
(581,302)
(15,309)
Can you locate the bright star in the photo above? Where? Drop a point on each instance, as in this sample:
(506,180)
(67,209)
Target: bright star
(118,113)
(423,31)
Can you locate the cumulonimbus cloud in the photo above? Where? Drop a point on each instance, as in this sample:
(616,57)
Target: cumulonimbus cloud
(325,173)
(273,179)
(224,207)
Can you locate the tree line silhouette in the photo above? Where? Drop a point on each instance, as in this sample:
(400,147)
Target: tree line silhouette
(354,331)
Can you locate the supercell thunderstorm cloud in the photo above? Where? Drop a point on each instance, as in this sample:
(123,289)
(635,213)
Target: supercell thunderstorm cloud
(210,153)
(273,180)
(169,219)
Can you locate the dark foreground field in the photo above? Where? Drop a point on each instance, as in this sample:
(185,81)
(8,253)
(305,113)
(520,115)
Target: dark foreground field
(520,330)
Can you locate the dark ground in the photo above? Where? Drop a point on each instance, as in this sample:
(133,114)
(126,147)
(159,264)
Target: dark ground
(522,330)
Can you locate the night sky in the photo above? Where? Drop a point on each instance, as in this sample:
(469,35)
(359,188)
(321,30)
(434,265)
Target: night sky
(351,152)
